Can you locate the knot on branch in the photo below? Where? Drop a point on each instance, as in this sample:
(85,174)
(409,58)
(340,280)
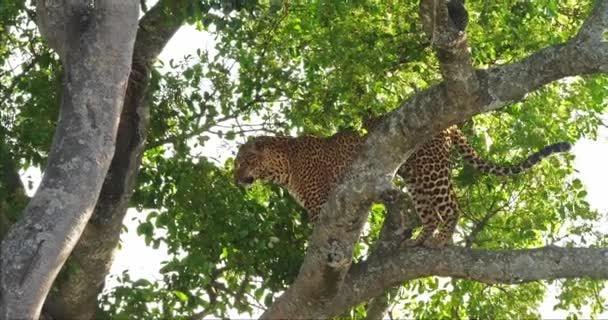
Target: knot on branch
(335,255)
(57,18)
(84,15)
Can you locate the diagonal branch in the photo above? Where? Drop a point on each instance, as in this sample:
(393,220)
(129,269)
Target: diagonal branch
(321,280)
(399,222)
(595,26)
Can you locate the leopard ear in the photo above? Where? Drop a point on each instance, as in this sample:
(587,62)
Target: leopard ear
(259,143)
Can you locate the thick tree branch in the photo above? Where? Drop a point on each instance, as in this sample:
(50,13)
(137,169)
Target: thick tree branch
(390,143)
(75,296)
(50,18)
(97,44)
(371,278)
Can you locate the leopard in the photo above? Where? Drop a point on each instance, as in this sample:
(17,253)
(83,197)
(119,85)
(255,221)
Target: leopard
(310,167)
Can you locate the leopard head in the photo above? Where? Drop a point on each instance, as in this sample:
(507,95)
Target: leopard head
(264,158)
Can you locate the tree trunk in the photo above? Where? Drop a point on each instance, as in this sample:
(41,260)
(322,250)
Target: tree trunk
(95,42)
(75,295)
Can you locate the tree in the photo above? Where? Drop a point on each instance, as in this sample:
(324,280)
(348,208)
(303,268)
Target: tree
(89,39)
(317,68)
(328,277)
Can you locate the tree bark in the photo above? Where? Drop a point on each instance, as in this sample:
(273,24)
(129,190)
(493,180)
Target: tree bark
(370,278)
(400,219)
(74,296)
(95,42)
(326,272)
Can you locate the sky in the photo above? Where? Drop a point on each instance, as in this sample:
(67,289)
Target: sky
(144,262)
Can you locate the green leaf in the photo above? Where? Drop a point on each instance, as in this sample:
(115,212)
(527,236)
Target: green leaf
(180,295)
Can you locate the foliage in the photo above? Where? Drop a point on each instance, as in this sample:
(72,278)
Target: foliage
(315,68)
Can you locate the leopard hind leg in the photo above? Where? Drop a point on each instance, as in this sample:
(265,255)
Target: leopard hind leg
(449,212)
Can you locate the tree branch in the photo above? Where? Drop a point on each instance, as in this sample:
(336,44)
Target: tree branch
(394,231)
(75,296)
(595,26)
(487,266)
(321,280)
(399,222)
(445,23)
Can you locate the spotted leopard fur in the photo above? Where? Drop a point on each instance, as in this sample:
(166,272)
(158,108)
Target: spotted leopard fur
(310,167)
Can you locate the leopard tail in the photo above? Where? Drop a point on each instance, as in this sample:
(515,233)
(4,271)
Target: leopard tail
(472,158)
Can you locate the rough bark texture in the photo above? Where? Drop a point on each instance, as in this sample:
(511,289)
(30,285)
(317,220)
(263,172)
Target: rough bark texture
(370,278)
(74,296)
(95,41)
(327,285)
